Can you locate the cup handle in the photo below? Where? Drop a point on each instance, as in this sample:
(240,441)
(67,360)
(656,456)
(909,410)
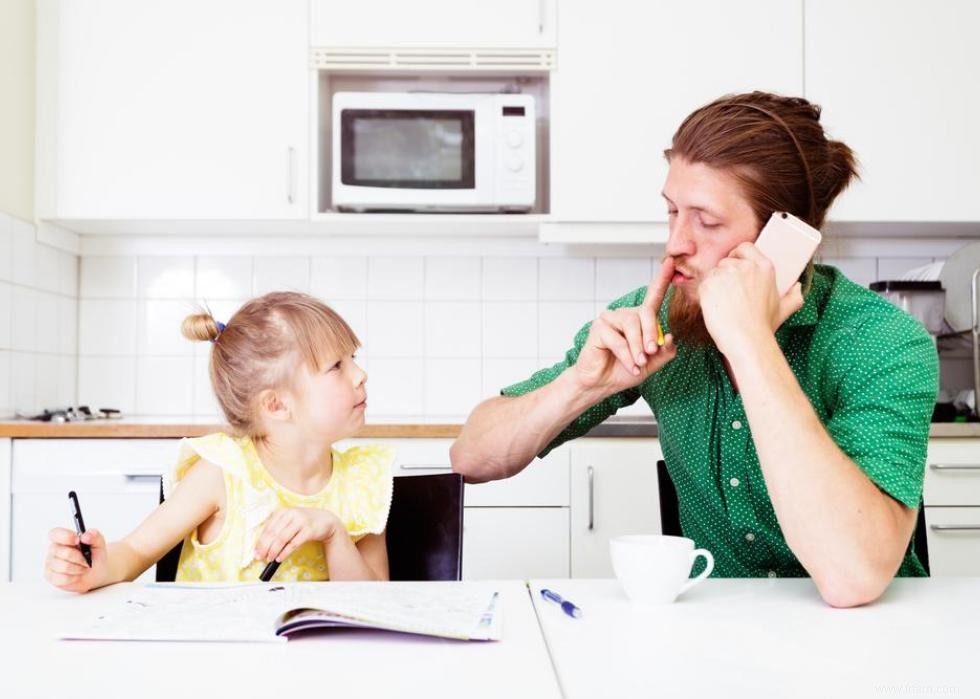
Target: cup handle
(704,573)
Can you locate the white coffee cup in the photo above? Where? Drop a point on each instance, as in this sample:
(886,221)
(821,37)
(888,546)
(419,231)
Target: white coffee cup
(655,569)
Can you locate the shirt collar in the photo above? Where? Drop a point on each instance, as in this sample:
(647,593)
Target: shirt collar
(813,301)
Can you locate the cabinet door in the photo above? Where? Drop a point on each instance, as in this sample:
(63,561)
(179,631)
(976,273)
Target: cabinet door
(614,492)
(629,72)
(952,473)
(117,482)
(450,24)
(953,535)
(515,542)
(898,83)
(187,109)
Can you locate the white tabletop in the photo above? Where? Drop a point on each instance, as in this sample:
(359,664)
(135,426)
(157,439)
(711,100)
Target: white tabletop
(766,638)
(346,663)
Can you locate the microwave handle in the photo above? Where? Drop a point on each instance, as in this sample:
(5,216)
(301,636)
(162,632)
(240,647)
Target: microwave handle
(290,174)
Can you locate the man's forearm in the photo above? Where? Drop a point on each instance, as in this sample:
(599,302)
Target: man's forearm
(504,434)
(843,529)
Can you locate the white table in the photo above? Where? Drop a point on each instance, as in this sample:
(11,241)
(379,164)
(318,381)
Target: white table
(766,638)
(349,663)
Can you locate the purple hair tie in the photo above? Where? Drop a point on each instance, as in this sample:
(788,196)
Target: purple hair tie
(221,329)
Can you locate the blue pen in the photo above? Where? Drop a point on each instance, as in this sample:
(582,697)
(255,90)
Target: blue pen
(566,606)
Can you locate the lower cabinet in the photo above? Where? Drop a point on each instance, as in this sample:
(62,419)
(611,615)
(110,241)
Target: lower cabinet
(952,506)
(614,492)
(515,543)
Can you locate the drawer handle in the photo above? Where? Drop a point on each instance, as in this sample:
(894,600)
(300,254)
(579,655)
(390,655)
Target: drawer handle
(142,477)
(426,467)
(591,472)
(955,467)
(955,527)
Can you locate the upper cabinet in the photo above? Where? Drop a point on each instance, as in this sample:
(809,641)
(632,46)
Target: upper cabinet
(627,75)
(438,24)
(173,110)
(899,82)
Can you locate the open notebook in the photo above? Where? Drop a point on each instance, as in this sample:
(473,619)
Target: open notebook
(270,612)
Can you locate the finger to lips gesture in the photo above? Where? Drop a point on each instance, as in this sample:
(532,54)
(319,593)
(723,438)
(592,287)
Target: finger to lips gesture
(289,528)
(624,346)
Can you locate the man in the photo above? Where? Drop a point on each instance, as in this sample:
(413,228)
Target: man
(794,428)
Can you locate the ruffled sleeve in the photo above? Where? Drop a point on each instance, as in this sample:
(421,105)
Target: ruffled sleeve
(218,448)
(367,488)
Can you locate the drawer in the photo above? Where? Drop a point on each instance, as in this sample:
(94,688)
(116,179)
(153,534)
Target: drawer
(544,483)
(952,475)
(106,465)
(515,543)
(953,535)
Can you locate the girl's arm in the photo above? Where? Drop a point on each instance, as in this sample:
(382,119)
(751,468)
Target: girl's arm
(201,493)
(365,560)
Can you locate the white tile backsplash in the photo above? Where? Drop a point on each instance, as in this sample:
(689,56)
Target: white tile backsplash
(23,382)
(452,278)
(108,382)
(396,278)
(395,387)
(223,278)
(452,386)
(510,329)
(510,278)
(6,315)
(558,323)
(165,277)
(164,385)
(159,324)
(334,278)
(6,248)
(615,276)
(48,368)
(48,268)
(47,337)
(281,274)
(107,327)
(396,328)
(6,406)
(452,329)
(23,253)
(566,279)
(108,278)
(204,402)
(500,373)
(24,326)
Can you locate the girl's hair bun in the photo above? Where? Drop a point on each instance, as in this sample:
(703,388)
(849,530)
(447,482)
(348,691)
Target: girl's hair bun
(201,327)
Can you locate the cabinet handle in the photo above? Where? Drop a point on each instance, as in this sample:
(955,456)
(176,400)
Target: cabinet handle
(425,467)
(955,527)
(591,472)
(541,16)
(142,477)
(290,174)
(955,467)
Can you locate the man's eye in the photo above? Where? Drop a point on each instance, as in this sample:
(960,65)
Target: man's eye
(671,212)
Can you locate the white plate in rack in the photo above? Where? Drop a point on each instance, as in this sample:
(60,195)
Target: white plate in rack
(957,277)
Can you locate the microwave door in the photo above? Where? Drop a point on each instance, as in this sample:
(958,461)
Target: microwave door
(407,159)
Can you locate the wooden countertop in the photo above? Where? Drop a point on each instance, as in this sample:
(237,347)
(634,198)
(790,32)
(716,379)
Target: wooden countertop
(133,429)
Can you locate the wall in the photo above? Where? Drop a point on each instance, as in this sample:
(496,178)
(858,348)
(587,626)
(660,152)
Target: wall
(444,323)
(38,321)
(17,108)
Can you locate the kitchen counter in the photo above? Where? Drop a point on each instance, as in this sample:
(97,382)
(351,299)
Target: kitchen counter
(160,428)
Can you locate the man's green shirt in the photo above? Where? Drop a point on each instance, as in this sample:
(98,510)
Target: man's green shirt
(871,373)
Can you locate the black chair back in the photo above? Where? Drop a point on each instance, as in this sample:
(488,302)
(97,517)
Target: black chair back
(670,517)
(424,532)
(167,566)
(425,528)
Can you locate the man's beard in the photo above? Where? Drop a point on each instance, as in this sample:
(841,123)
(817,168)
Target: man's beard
(686,322)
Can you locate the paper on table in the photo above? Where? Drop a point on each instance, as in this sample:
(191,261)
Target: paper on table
(256,612)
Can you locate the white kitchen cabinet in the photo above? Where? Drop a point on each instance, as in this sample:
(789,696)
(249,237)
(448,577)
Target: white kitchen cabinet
(117,482)
(951,495)
(627,75)
(6,445)
(515,542)
(440,24)
(898,83)
(188,109)
(614,492)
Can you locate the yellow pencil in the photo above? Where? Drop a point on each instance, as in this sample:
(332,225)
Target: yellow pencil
(660,334)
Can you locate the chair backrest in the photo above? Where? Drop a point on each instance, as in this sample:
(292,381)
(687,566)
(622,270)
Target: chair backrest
(425,528)
(167,566)
(670,521)
(424,533)
(670,517)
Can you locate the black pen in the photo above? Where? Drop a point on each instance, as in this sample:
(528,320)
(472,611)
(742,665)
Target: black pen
(76,516)
(269,570)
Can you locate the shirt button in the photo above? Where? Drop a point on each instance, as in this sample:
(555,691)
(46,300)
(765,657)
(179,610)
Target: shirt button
(750,537)
(733,482)
(736,425)
(772,573)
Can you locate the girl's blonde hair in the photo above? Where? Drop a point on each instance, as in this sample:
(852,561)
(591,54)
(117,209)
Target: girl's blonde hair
(260,347)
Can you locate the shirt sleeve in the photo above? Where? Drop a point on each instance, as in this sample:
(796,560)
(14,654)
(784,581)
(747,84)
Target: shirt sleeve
(598,412)
(886,395)
(369,486)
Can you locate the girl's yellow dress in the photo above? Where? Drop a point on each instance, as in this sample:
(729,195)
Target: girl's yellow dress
(359,493)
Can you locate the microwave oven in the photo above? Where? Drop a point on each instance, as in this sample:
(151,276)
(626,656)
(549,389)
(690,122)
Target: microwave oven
(438,152)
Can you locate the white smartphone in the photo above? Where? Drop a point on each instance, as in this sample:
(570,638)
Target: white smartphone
(789,243)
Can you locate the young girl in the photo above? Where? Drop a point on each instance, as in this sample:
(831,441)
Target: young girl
(284,374)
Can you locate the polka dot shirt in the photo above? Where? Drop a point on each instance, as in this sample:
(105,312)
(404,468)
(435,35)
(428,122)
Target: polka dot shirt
(871,374)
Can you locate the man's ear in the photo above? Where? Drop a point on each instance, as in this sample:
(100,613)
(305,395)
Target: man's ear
(273,405)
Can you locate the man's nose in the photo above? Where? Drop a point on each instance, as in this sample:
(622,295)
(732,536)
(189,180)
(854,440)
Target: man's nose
(679,239)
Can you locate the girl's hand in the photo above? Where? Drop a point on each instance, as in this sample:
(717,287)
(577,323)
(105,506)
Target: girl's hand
(739,301)
(289,528)
(65,567)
